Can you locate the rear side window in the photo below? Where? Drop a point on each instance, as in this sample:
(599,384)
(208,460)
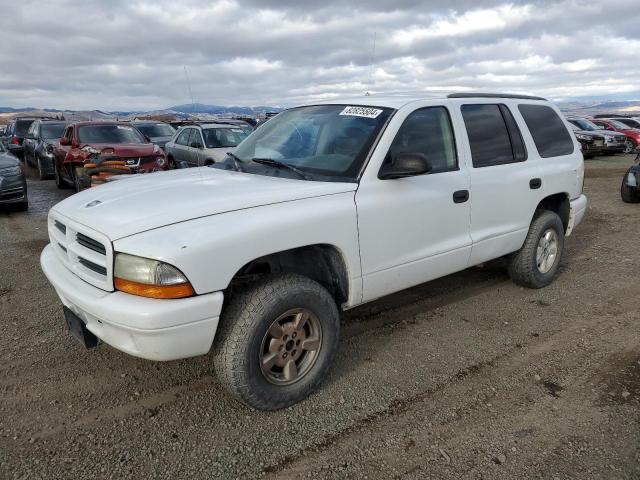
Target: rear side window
(428,131)
(494,136)
(549,133)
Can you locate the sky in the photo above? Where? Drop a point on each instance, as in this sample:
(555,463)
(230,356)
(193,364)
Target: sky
(132,54)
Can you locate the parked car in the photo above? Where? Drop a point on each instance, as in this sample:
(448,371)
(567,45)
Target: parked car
(325,207)
(630,188)
(83,140)
(591,143)
(13,184)
(241,124)
(38,145)
(3,128)
(13,137)
(203,144)
(613,142)
(158,133)
(632,135)
(628,121)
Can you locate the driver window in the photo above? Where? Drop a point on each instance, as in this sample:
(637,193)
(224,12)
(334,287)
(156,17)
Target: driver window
(183,138)
(428,131)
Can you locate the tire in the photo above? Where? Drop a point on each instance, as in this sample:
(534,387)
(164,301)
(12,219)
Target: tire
(60,183)
(23,207)
(243,342)
(171,162)
(629,146)
(628,194)
(524,267)
(41,174)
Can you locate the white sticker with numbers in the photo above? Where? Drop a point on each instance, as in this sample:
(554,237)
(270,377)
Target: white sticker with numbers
(366,112)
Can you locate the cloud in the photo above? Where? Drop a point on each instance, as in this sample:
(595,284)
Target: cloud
(131,54)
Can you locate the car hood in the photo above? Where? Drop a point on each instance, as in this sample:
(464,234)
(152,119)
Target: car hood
(143,202)
(8,160)
(591,133)
(129,149)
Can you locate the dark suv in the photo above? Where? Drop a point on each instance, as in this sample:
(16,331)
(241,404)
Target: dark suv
(38,145)
(14,134)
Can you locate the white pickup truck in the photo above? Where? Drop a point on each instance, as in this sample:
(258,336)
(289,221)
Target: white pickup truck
(324,207)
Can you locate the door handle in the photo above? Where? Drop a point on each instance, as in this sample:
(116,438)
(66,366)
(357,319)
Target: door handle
(460,196)
(535,183)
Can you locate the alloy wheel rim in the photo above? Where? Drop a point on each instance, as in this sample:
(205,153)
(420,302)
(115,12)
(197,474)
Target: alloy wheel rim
(628,147)
(547,251)
(290,346)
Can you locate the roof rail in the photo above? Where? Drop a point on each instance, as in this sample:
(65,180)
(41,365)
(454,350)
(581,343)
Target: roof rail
(493,95)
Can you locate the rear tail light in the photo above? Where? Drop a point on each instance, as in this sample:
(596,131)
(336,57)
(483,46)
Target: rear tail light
(15,141)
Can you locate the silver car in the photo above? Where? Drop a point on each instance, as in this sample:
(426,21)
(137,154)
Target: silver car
(203,144)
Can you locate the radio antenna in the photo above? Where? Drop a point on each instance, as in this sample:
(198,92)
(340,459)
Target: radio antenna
(193,104)
(372,64)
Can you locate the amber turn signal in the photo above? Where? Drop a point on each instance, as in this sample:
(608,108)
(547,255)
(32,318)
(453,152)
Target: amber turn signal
(181,290)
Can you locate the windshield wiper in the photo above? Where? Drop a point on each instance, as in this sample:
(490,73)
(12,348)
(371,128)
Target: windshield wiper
(278,163)
(236,162)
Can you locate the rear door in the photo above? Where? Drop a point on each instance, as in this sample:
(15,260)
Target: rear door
(504,180)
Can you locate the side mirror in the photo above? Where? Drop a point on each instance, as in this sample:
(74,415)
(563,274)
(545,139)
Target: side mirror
(197,145)
(404,165)
(65,142)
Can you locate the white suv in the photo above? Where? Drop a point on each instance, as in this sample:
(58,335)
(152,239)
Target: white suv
(323,208)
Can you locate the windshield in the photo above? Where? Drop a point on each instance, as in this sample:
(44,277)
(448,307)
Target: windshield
(618,125)
(585,124)
(326,142)
(631,122)
(156,129)
(223,137)
(109,134)
(22,126)
(51,131)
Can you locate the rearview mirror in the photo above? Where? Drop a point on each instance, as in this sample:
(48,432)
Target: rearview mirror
(65,142)
(404,165)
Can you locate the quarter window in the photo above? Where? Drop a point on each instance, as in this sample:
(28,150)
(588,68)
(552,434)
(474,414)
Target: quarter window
(428,131)
(549,133)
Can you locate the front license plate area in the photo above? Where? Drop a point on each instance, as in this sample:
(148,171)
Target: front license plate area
(78,329)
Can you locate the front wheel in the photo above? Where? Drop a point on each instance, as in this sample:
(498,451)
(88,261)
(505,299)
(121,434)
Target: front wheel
(536,263)
(276,341)
(629,146)
(60,183)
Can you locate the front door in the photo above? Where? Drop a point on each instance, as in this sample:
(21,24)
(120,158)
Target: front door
(415,229)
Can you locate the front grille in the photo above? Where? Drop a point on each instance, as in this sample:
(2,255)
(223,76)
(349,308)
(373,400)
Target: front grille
(90,243)
(92,266)
(84,251)
(11,193)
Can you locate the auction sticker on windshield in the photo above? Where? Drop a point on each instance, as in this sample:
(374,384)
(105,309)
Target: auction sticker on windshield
(366,112)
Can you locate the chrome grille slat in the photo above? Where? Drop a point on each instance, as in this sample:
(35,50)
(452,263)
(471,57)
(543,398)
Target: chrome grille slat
(90,243)
(92,266)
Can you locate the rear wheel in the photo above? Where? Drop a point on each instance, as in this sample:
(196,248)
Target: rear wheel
(41,173)
(276,340)
(536,263)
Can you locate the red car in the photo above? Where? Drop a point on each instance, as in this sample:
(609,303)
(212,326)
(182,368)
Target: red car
(83,140)
(632,134)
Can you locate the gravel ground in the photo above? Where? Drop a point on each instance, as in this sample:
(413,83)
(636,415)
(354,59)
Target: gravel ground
(468,376)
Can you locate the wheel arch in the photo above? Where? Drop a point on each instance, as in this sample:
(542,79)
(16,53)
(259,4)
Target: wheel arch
(323,263)
(558,203)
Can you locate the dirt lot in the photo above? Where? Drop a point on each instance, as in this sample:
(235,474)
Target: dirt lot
(469,376)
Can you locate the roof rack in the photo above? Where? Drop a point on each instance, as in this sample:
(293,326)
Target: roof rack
(494,95)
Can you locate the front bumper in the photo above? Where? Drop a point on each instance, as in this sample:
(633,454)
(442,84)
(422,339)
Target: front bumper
(143,327)
(576,212)
(13,189)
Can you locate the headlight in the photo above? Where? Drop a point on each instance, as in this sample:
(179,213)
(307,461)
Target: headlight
(10,171)
(582,137)
(608,138)
(161,161)
(90,150)
(149,278)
